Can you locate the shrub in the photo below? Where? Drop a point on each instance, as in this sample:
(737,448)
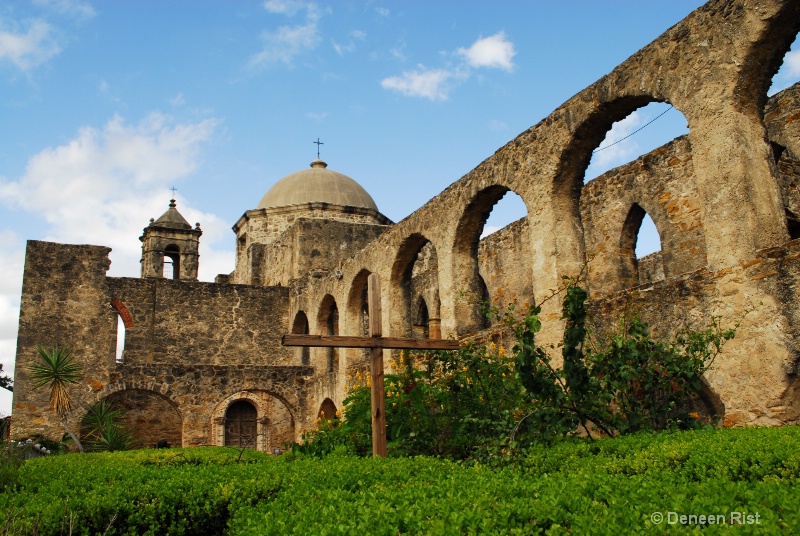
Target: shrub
(484,404)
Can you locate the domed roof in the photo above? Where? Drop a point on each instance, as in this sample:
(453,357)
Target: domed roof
(317,185)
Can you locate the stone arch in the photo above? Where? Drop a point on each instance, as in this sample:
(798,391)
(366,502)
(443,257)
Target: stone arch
(767,48)
(124,322)
(327,410)
(629,269)
(358,310)
(415,277)
(328,324)
(574,160)
(470,283)
(420,319)
(300,327)
(173,253)
(149,416)
(275,421)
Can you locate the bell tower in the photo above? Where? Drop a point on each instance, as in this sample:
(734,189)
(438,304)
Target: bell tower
(170,247)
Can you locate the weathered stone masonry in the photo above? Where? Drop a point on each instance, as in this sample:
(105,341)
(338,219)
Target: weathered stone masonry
(724,199)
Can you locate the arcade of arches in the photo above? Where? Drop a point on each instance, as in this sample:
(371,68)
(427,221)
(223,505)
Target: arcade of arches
(203,363)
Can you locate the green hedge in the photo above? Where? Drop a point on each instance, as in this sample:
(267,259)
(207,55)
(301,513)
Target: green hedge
(603,487)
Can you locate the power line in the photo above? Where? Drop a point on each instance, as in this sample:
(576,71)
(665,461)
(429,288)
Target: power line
(632,133)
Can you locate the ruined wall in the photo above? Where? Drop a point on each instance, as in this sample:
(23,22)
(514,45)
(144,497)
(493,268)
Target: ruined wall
(312,245)
(203,323)
(64,303)
(662,184)
(716,196)
(191,346)
(504,260)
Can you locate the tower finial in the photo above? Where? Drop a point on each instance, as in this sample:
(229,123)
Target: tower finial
(318,144)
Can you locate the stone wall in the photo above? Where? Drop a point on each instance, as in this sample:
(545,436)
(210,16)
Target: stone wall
(192,348)
(312,246)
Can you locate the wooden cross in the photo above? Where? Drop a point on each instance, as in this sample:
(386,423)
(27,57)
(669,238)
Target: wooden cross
(376,344)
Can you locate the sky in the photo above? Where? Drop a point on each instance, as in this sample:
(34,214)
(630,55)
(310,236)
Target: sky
(105,106)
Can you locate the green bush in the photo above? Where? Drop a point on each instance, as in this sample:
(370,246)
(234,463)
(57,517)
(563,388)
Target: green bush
(577,486)
(484,404)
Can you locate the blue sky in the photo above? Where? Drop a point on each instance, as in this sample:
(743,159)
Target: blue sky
(106,105)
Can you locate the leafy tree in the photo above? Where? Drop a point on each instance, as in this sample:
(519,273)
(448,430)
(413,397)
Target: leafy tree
(5,381)
(55,370)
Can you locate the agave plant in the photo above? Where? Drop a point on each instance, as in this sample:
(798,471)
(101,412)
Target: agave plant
(56,370)
(102,427)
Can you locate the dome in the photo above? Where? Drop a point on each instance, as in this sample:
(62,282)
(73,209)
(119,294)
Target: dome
(317,185)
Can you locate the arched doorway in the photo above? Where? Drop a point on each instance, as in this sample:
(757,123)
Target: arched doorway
(241,425)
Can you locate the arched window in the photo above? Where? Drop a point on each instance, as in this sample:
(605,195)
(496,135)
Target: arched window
(172,262)
(421,329)
(240,425)
(300,327)
(328,322)
(640,245)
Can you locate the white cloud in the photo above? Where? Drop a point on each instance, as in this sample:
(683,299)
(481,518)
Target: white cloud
(382,11)
(287,42)
(31,48)
(494,51)
(178,100)
(342,49)
(427,83)
(73,8)
(103,186)
(791,63)
(491,52)
(284,7)
(358,34)
(612,151)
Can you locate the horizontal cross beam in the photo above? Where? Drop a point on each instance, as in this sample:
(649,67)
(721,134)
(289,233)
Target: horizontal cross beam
(340,341)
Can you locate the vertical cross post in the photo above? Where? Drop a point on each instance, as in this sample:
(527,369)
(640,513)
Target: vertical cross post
(376,368)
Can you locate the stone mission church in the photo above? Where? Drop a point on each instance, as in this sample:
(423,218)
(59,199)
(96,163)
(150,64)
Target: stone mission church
(202,363)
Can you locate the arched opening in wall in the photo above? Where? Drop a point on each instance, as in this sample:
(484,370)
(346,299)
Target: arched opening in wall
(788,73)
(328,322)
(640,132)
(172,262)
(640,247)
(779,117)
(509,209)
(241,426)
(358,308)
(124,321)
(415,284)
(420,328)
(496,268)
(119,354)
(327,410)
(149,417)
(300,327)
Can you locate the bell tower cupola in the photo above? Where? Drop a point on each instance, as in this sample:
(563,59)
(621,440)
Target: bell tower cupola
(170,247)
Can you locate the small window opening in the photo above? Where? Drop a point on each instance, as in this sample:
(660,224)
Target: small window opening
(647,241)
(120,352)
(172,259)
